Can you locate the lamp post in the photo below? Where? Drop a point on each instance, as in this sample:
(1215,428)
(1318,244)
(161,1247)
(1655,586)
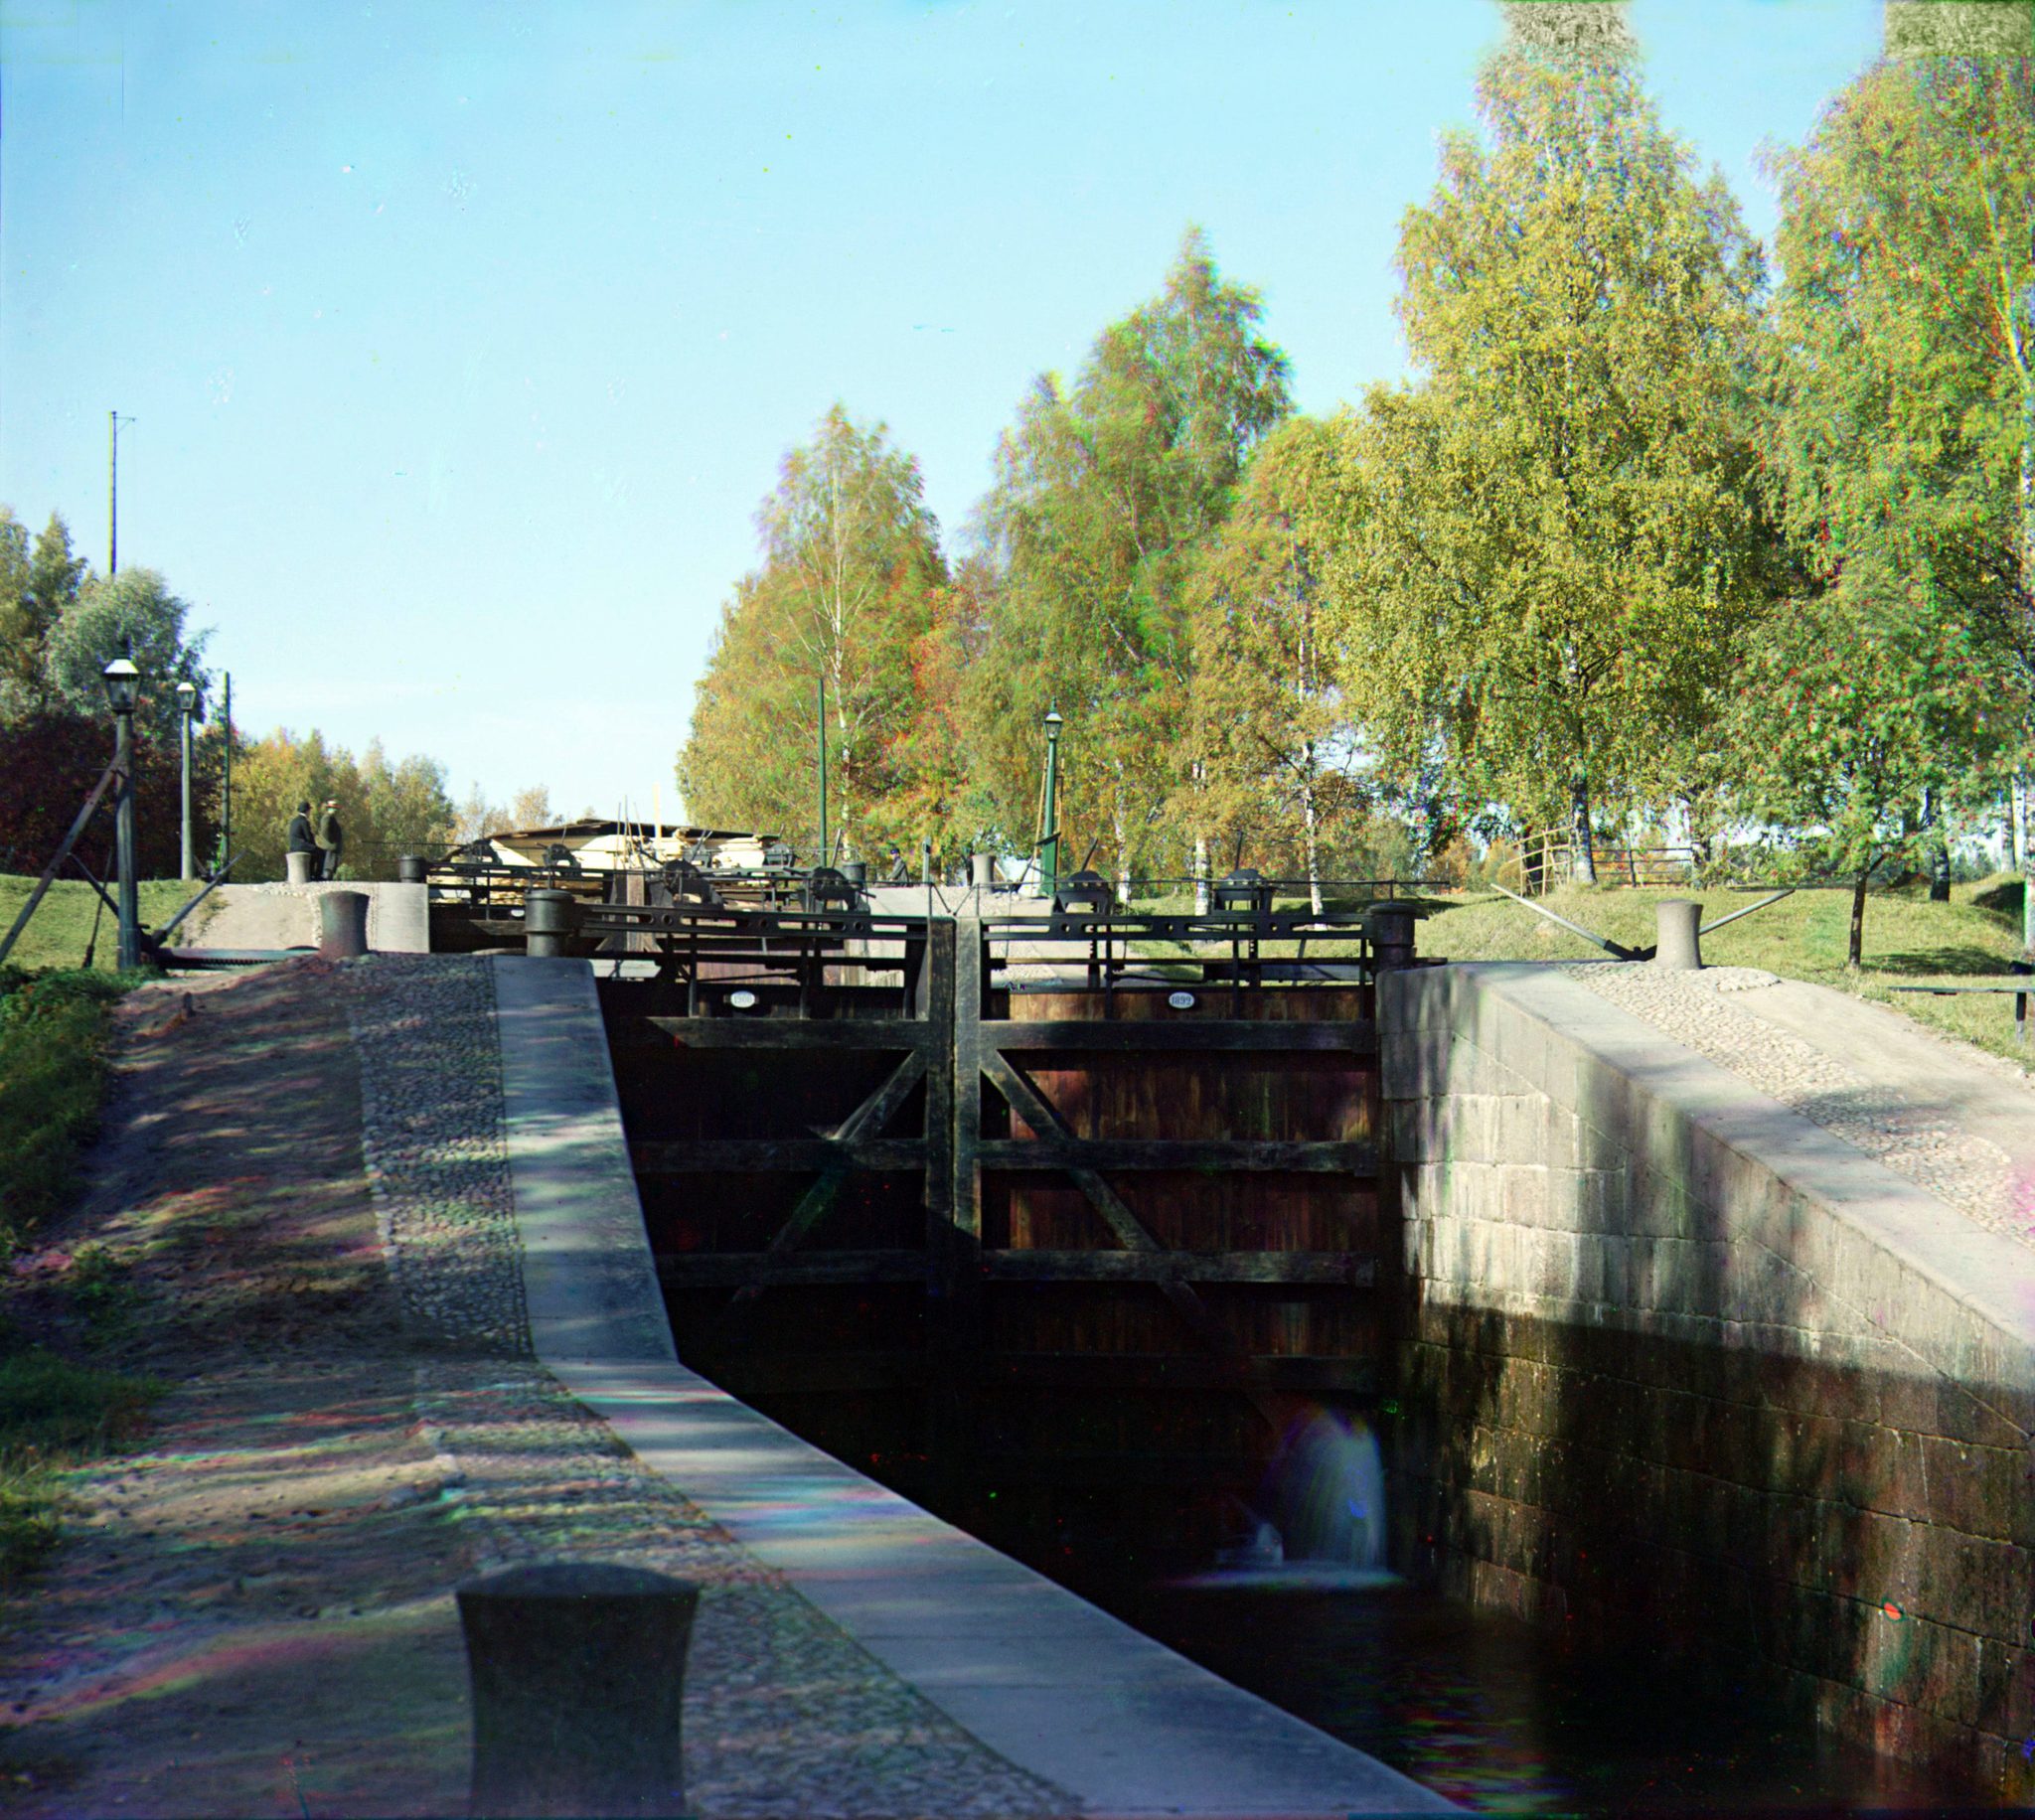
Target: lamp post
(1049,825)
(186,699)
(2028,582)
(123,690)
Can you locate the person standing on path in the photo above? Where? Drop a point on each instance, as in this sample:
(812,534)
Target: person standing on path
(331,836)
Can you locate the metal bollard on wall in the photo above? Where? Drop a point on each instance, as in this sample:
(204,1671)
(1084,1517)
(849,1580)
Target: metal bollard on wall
(342,924)
(578,1677)
(1391,932)
(298,867)
(411,870)
(550,919)
(1677,942)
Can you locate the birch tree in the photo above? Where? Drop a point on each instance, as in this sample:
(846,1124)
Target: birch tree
(1104,493)
(1906,364)
(1566,542)
(1268,716)
(851,561)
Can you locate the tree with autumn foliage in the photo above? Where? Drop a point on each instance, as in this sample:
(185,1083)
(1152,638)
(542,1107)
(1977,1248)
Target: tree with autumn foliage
(1105,493)
(851,567)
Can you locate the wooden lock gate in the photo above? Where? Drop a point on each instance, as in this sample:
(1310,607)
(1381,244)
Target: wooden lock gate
(1062,1261)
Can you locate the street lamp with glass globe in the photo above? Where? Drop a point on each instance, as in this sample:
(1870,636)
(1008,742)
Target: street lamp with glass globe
(186,702)
(123,692)
(1048,821)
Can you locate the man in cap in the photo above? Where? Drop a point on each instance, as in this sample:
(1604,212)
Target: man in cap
(331,837)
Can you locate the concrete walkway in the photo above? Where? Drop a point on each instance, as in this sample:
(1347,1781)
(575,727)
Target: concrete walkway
(280,916)
(1054,1686)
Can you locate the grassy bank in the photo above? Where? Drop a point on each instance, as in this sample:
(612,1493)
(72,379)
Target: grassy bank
(53,1043)
(57,933)
(54,1411)
(1908,940)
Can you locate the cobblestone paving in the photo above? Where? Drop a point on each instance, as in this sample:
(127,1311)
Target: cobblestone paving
(1698,1010)
(785,1714)
(423,1028)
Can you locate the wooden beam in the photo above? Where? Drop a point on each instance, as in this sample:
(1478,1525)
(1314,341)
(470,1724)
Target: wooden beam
(1038,1112)
(869,1118)
(766,1155)
(1178,1371)
(794,1033)
(1187,1035)
(1205,1154)
(954,1318)
(742,1269)
(1350,1268)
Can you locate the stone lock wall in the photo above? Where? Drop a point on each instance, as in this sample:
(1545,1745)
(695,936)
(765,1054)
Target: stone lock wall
(1679,1366)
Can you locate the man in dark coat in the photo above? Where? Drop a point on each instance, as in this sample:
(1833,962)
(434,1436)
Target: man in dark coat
(331,837)
(299,839)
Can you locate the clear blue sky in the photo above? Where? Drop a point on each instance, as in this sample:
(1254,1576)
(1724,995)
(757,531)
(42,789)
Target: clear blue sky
(462,341)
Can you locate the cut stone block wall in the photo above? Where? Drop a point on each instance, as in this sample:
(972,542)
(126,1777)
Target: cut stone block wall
(1679,1366)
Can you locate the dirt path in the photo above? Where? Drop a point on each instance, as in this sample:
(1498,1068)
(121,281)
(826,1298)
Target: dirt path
(254,1615)
(277,1545)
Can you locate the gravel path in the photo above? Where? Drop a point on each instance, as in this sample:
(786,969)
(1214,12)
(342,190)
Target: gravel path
(1710,1012)
(785,1714)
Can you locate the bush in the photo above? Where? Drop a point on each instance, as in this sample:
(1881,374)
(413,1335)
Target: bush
(53,1037)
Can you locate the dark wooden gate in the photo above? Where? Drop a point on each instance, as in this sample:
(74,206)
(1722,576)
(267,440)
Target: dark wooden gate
(1061,1262)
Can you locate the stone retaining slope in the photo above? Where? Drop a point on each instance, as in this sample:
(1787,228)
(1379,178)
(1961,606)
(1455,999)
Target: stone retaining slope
(1681,1365)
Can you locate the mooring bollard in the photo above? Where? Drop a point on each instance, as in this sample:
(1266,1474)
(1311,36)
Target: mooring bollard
(550,920)
(577,1672)
(298,867)
(411,870)
(1677,942)
(1391,932)
(981,870)
(342,924)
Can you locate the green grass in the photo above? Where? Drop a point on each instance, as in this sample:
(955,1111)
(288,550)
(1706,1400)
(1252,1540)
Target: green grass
(54,1415)
(57,934)
(53,1039)
(1803,937)
(56,1412)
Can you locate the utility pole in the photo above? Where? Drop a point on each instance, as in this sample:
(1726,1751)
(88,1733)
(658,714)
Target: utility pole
(114,492)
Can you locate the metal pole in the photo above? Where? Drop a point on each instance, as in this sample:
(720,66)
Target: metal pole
(123,841)
(113,494)
(1049,843)
(822,857)
(225,798)
(186,853)
(2028,564)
